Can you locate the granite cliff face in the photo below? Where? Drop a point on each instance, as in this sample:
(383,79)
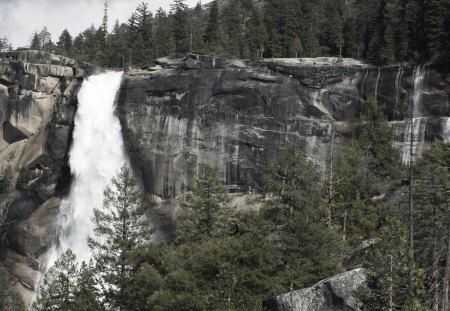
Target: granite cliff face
(236,115)
(181,114)
(37,105)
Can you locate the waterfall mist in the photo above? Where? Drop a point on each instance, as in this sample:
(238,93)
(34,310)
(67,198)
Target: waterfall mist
(96,154)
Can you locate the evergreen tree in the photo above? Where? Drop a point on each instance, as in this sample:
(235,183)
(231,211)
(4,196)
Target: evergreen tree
(432,220)
(162,35)
(293,204)
(58,289)
(86,297)
(256,33)
(65,43)
(291,184)
(180,23)
(35,43)
(297,47)
(434,19)
(46,39)
(117,46)
(120,230)
(389,269)
(197,29)
(206,213)
(214,32)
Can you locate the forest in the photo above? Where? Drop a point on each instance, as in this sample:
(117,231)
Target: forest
(378,31)
(301,228)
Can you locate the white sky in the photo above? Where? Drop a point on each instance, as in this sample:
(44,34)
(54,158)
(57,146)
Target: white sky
(20,18)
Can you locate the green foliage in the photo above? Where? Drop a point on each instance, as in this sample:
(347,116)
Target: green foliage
(58,289)
(206,212)
(65,43)
(291,184)
(381,32)
(390,270)
(119,232)
(10,299)
(292,203)
(432,219)
(377,136)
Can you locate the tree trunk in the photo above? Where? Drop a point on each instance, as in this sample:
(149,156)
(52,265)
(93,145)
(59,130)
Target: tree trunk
(391,283)
(445,298)
(435,267)
(345,226)
(330,182)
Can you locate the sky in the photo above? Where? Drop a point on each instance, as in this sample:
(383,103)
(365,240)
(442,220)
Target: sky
(19,19)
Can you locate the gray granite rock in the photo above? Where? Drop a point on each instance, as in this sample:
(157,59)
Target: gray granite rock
(333,294)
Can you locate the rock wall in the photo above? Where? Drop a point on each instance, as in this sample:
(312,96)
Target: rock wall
(335,293)
(236,115)
(179,115)
(37,106)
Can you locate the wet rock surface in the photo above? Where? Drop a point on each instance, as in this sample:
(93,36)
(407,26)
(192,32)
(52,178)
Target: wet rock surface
(236,115)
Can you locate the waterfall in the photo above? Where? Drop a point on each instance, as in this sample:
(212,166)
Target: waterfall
(398,81)
(363,84)
(446,133)
(376,83)
(95,156)
(416,125)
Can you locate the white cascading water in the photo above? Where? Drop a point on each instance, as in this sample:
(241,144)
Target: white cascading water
(376,83)
(398,81)
(417,123)
(96,154)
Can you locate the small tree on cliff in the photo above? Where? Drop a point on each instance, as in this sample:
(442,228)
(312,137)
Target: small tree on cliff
(120,231)
(207,210)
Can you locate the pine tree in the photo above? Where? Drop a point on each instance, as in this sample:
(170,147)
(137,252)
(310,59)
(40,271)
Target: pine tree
(162,34)
(214,32)
(207,210)
(233,25)
(297,47)
(291,183)
(389,269)
(65,43)
(46,39)
(434,19)
(432,220)
(120,231)
(180,23)
(35,43)
(58,289)
(256,33)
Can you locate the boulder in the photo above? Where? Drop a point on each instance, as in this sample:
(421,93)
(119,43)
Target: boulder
(333,294)
(32,236)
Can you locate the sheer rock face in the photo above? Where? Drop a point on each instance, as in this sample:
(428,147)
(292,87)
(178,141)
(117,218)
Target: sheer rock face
(179,115)
(236,115)
(333,294)
(37,106)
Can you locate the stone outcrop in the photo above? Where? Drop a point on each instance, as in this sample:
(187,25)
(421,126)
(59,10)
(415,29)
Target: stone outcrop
(236,115)
(37,106)
(333,294)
